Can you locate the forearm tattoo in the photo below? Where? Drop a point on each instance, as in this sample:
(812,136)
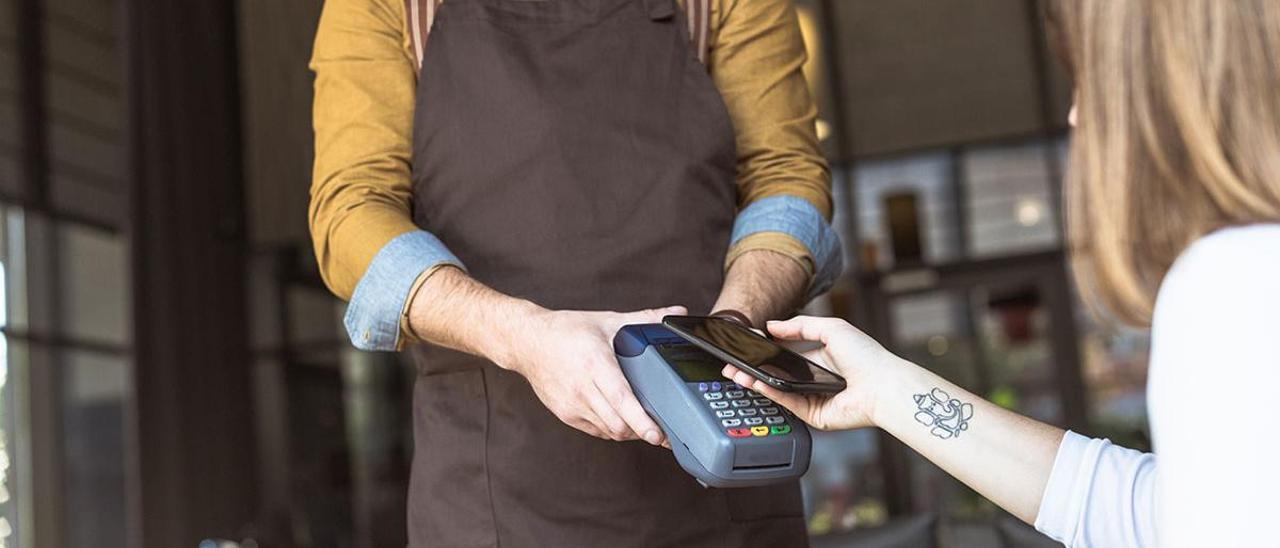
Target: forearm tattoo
(946,416)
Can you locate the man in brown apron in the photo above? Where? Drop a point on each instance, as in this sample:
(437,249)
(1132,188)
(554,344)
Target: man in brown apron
(576,157)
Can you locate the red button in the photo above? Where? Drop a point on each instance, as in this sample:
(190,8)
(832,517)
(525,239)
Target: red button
(739,432)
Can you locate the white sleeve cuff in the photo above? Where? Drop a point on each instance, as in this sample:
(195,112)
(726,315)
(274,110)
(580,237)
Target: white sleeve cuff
(1068,489)
(1099,494)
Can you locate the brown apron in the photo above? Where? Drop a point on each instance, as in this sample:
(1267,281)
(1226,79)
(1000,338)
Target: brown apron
(576,154)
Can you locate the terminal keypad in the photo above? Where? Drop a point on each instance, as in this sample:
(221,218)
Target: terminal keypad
(743,413)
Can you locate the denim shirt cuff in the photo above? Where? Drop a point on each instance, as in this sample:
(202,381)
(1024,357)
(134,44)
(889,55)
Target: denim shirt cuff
(373,315)
(796,217)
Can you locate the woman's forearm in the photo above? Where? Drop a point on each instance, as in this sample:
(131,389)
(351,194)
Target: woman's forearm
(1004,456)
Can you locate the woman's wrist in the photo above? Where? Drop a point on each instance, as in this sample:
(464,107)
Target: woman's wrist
(894,381)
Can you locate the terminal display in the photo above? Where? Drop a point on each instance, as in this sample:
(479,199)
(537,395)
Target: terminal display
(692,363)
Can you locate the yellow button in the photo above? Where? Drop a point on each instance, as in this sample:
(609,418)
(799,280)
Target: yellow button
(759,430)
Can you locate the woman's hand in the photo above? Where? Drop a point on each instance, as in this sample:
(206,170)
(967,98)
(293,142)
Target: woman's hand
(847,351)
(1004,456)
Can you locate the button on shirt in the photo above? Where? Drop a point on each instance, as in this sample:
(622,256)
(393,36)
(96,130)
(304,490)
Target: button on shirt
(371,253)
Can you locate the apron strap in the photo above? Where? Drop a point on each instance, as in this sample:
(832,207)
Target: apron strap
(698,14)
(420,14)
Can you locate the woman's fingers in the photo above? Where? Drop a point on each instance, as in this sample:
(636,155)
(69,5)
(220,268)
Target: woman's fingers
(806,328)
(739,376)
(793,402)
(788,330)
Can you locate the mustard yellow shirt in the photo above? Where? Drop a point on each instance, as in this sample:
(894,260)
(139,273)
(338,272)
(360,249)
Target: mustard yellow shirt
(363,114)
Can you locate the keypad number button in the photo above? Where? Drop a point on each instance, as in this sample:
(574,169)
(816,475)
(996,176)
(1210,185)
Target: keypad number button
(769,411)
(731,422)
(753,421)
(735,394)
(746,412)
(724,414)
(774,420)
(710,396)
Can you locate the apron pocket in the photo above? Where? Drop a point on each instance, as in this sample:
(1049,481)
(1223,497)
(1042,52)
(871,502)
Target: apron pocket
(449,502)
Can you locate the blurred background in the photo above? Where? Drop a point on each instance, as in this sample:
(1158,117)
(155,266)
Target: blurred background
(173,369)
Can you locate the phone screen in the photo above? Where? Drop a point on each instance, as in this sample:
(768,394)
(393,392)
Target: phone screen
(754,350)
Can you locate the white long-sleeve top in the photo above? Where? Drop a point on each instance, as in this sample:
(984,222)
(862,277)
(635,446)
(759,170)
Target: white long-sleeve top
(1213,398)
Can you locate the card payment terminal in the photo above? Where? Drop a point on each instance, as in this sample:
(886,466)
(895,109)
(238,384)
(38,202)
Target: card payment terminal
(721,434)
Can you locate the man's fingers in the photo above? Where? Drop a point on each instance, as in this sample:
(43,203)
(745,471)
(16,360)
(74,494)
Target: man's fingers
(609,421)
(654,315)
(586,427)
(618,392)
(675,310)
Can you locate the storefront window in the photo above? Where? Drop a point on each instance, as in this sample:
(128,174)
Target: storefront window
(1010,202)
(926,179)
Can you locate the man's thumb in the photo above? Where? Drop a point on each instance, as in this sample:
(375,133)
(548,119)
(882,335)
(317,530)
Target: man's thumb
(656,314)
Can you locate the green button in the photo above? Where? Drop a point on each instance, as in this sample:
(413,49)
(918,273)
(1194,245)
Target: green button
(780,429)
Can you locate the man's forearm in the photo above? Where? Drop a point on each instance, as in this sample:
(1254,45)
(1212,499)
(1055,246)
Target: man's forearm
(763,285)
(456,311)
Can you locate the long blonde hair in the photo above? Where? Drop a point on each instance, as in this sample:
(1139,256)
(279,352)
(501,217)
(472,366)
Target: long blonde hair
(1178,134)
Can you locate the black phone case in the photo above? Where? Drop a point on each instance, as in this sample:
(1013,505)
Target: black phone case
(780,384)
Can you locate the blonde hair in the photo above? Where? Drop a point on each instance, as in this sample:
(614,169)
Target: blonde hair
(1178,134)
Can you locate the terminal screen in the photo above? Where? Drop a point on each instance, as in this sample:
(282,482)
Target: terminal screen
(692,363)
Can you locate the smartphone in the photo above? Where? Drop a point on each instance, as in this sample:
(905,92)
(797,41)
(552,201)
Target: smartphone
(756,355)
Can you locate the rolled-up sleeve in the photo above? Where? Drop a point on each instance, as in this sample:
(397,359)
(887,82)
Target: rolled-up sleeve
(367,246)
(1099,494)
(756,56)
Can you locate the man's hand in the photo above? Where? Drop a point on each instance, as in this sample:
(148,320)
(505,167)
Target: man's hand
(763,285)
(567,356)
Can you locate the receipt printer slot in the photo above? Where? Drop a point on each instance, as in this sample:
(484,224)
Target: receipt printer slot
(761,456)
